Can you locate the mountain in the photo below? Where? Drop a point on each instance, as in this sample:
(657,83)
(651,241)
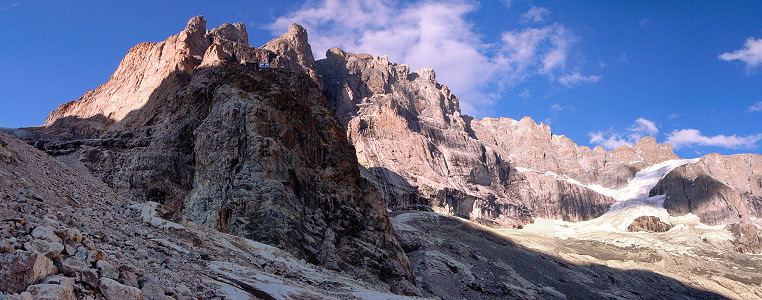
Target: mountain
(192,123)
(194,172)
(417,147)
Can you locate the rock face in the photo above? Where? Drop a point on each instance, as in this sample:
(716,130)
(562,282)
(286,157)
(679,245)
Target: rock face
(193,124)
(116,248)
(720,190)
(418,149)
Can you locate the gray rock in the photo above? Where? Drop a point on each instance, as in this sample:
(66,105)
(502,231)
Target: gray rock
(153,291)
(107,269)
(113,290)
(53,287)
(45,233)
(70,266)
(49,249)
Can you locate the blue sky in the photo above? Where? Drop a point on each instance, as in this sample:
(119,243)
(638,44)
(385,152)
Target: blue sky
(600,72)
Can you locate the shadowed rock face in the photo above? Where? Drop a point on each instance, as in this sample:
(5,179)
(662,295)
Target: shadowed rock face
(255,153)
(719,190)
(455,259)
(410,136)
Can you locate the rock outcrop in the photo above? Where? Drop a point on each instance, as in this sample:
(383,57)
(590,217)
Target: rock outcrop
(418,149)
(649,224)
(193,123)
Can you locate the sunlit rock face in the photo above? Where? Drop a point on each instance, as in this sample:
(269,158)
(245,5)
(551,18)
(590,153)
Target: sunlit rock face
(417,147)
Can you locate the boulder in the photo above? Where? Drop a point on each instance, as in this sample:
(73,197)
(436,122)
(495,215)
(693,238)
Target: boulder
(53,288)
(113,290)
(21,269)
(49,249)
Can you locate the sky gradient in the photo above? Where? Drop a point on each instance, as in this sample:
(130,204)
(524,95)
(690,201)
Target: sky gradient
(600,72)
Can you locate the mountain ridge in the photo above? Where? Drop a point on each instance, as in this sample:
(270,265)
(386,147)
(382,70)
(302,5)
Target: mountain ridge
(313,156)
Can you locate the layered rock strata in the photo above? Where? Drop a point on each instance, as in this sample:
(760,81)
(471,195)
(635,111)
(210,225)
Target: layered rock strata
(193,123)
(417,147)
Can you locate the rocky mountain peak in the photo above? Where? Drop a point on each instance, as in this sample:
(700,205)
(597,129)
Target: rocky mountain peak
(294,47)
(196,24)
(168,63)
(235,32)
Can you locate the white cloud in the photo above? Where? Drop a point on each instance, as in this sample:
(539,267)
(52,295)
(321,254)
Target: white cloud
(693,137)
(613,140)
(756,107)
(645,126)
(535,14)
(751,53)
(572,79)
(437,35)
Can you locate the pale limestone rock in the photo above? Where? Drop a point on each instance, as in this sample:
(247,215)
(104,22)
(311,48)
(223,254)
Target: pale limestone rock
(49,249)
(113,290)
(53,288)
(45,233)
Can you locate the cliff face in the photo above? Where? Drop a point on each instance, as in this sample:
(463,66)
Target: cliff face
(418,149)
(256,153)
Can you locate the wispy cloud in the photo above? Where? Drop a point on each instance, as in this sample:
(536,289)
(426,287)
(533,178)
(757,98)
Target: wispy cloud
(437,35)
(609,140)
(615,139)
(535,14)
(692,137)
(644,126)
(755,107)
(751,53)
(525,93)
(572,79)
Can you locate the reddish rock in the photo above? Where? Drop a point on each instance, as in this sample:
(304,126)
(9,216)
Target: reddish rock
(21,269)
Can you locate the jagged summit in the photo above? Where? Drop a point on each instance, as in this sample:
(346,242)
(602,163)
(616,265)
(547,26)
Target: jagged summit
(148,66)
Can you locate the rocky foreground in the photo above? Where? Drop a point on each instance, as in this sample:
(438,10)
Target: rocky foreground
(193,173)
